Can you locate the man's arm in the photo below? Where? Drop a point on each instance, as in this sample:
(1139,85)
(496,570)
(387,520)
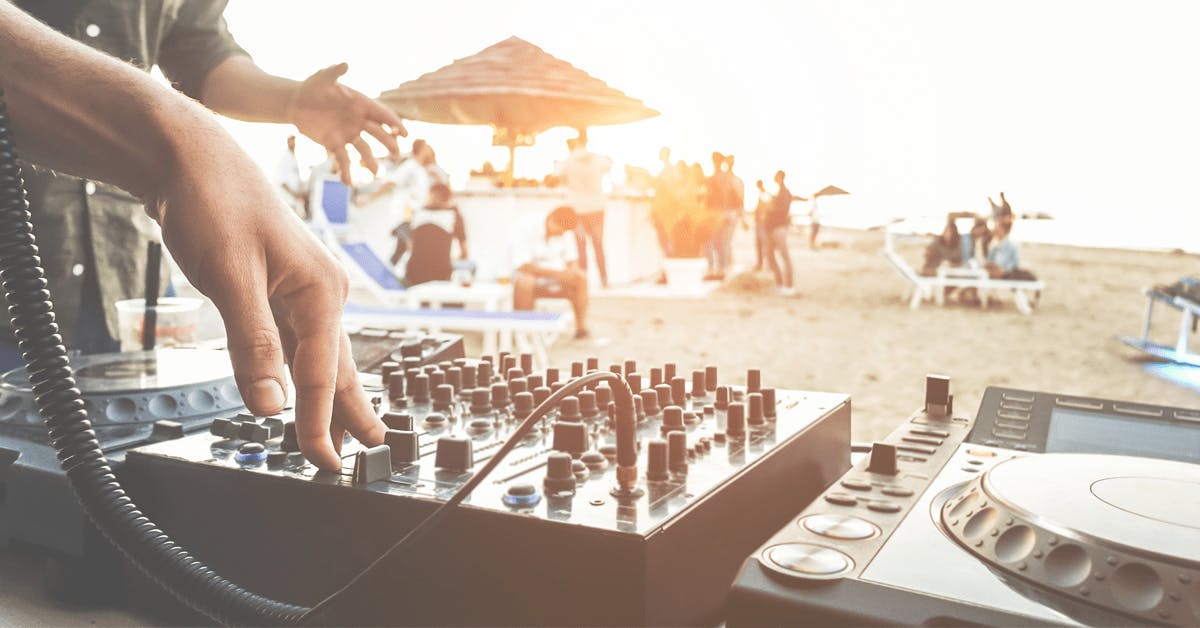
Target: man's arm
(278,290)
(326,111)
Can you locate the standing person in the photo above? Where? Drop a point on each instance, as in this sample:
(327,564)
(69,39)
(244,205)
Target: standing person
(761,207)
(547,267)
(718,195)
(287,177)
(406,188)
(93,235)
(666,193)
(735,209)
(814,221)
(777,223)
(583,173)
(435,227)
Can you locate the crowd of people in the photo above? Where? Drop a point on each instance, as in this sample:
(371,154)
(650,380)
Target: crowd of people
(987,246)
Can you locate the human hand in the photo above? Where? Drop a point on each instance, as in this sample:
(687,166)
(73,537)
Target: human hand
(278,289)
(334,115)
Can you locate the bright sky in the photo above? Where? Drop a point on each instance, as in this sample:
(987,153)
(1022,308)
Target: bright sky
(1076,108)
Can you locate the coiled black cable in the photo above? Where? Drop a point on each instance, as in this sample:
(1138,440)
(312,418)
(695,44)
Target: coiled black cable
(61,406)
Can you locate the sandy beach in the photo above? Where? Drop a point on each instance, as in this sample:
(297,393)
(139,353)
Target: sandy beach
(850,331)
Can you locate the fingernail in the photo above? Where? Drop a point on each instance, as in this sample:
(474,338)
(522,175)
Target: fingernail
(266,395)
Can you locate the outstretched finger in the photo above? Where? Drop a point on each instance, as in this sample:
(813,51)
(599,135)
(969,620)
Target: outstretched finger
(351,408)
(314,321)
(380,112)
(343,161)
(364,152)
(386,138)
(255,350)
(331,73)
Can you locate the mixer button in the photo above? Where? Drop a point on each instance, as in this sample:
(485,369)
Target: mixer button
(559,476)
(521,496)
(841,499)
(841,527)
(454,453)
(595,461)
(276,459)
(1009,425)
(922,440)
(1013,416)
(1016,407)
(251,454)
(917,449)
(1008,434)
(883,459)
(224,428)
(887,507)
(1018,397)
(805,559)
(928,431)
(856,485)
(404,446)
(898,491)
(373,465)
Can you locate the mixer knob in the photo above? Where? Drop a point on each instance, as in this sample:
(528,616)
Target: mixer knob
(443,397)
(507,364)
(420,388)
(735,420)
(604,395)
(395,384)
(754,409)
(639,408)
(587,405)
(483,375)
(656,461)
(436,378)
(678,391)
(517,385)
(559,476)
(568,410)
(454,377)
(677,451)
(527,362)
(576,369)
(513,373)
(883,459)
(656,376)
(521,496)
(551,376)
(698,384)
(454,453)
(435,421)
(534,381)
(937,395)
(411,362)
(615,369)
(768,401)
(672,420)
(722,398)
(753,380)
(540,394)
(499,396)
(668,372)
(664,395)
(649,402)
(710,378)
(593,364)
(481,401)
(630,366)
(522,405)
(289,442)
(224,428)
(372,465)
(398,420)
(404,446)
(570,437)
(635,382)
(469,376)
(387,368)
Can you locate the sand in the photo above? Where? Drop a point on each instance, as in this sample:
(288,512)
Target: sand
(851,331)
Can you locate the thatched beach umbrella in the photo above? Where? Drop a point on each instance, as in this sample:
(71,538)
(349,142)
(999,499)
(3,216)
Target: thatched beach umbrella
(830,190)
(519,90)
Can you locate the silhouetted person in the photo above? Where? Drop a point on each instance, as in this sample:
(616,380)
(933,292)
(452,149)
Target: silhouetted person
(583,173)
(947,247)
(547,267)
(719,193)
(777,223)
(761,206)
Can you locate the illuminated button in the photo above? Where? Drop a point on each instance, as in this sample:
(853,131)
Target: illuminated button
(928,431)
(856,485)
(92,30)
(521,496)
(251,454)
(981,453)
(884,506)
(805,559)
(842,527)
(898,491)
(77,270)
(841,499)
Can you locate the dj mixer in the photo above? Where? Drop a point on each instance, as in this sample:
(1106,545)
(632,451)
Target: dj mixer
(563,532)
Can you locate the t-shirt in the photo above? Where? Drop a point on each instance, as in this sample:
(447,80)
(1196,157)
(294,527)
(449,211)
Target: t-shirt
(1005,255)
(533,247)
(412,183)
(583,173)
(777,213)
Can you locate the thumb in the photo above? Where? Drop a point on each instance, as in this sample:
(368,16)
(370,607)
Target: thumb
(254,350)
(331,73)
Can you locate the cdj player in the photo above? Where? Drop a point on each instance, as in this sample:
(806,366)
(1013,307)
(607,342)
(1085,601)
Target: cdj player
(1047,509)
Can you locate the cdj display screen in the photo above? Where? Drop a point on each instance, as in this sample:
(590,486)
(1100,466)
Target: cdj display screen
(1073,431)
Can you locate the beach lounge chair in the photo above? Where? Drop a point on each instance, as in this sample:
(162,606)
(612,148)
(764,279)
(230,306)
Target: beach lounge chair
(1180,352)
(925,288)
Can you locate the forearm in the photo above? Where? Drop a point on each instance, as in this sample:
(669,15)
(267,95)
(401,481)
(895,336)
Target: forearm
(84,113)
(240,89)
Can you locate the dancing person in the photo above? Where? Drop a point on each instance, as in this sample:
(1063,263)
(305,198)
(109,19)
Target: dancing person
(583,173)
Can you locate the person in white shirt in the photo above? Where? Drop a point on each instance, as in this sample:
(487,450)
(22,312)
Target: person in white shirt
(583,173)
(287,177)
(546,262)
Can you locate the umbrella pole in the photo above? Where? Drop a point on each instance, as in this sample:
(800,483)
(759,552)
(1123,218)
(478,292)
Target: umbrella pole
(509,172)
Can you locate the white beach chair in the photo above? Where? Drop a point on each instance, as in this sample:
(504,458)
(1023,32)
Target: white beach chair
(1181,351)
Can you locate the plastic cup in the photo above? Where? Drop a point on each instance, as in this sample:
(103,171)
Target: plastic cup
(177,318)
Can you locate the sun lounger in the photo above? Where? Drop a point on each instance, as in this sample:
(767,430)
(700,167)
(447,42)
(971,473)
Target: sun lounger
(934,287)
(533,331)
(1180,352)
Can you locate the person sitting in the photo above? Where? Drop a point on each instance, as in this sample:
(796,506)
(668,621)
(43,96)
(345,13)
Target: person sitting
(1003,257)
(433,230)
(947,247)
(547,263)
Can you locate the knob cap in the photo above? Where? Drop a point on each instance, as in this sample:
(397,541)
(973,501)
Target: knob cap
(678,391)
(454,453)
(527,362)
(522,405)
(398,420)
(469,376)
(883,459)
(454,377)
(635,382)
(656,376)
(404,446)
(289,442)
(722,398)
(535,381)
(753,380)
(513,373)
(672,420)
(754,408)
(540,394)
(649,402)
(559,476)
(664,395)
(639,408)
(517,385)
(576,369)
(387,368)
(604,396)
(420,388)
(481,401)
(593,364)
(587,404)
(395,384)
(372,465)
(499,396)
(677,451)
(551,376)
(735,420)
(568,410)
(668,371)
(443,397)
(710,378)
(698,384)
(436,378)
(570,437)
(768,400)
(483,375)
(656,460)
